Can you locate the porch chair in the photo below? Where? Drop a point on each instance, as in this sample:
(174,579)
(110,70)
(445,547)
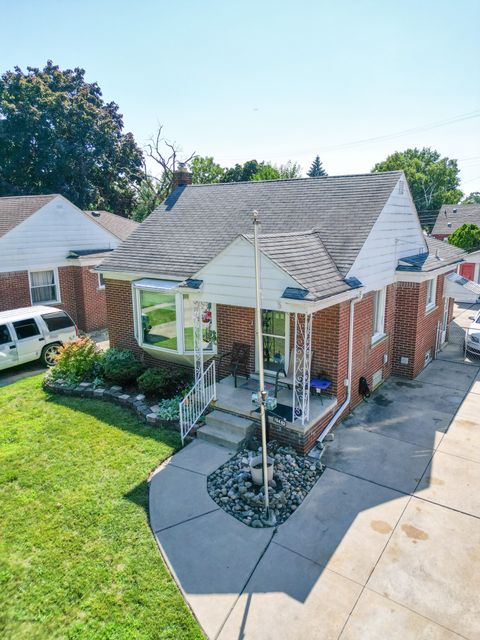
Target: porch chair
(288,379)
(239,357)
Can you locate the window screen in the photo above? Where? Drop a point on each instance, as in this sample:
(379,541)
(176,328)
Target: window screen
(5,337)
(57,320)
(26,329)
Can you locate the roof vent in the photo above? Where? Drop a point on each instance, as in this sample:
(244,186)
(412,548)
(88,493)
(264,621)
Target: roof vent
(95,214)
(400,187)
(454,210)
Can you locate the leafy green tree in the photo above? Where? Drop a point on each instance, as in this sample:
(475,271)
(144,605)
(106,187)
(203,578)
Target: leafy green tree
(266,172)
(472,198)
(205,170)
(289,170)
(149,196)
(316,170)
(433,180)
(241,172)
(466,237)
(57,135)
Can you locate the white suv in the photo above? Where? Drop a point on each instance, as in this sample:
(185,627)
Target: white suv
(32,333)
(472,336)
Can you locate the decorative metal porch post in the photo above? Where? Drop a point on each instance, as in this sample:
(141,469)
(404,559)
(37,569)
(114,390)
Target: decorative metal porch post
(262,394)
(197,339)
(302,356)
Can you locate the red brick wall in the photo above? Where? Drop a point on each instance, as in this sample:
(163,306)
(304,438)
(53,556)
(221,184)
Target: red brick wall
(415,328)
(235,324)
(121,330)
(440,236)
(14,290)
(78,291)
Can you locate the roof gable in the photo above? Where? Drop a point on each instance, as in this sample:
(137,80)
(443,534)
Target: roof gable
(197,222)
(453,216)
(15,209)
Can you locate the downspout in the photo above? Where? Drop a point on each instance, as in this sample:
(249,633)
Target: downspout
(346,402)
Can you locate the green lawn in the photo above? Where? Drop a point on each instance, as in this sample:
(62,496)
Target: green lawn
(77,557)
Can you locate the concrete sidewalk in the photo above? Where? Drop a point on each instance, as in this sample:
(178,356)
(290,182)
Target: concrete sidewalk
(386,545)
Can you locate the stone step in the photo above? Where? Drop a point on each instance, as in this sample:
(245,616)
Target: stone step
(229,423)
(217,435)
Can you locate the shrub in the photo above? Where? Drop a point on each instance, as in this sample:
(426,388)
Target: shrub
(163,383)
(120,366)
(169,409)
(77,361)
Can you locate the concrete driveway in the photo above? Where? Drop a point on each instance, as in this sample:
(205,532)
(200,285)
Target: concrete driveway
(386,545)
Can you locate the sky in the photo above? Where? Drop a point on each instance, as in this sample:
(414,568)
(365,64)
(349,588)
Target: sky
(275,81)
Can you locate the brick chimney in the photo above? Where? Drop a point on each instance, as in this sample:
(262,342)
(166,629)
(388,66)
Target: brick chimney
(181,177)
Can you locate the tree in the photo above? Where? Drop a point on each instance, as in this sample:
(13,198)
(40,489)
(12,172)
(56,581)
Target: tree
(433,180)
(473,198)
(57,135)
(266,172)
(316,170)
(241,172)
(147,199)
(466,237)
(290,170)
(205,170)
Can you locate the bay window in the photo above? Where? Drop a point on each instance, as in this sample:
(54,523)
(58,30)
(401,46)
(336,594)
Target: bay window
(165,321)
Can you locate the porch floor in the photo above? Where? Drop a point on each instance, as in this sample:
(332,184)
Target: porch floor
(239,401)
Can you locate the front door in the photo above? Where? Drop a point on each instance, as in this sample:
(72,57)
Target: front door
(444,320)
(8,349)
(275,340)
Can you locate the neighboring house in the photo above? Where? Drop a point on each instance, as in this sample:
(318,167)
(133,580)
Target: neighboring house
(351,289)
(48,248)
(449,219)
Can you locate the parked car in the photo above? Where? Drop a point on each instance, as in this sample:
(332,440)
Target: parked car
(33,333)
(472,336)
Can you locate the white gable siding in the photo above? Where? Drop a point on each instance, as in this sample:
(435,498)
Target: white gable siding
(396,234)
(230,278)
(45,238)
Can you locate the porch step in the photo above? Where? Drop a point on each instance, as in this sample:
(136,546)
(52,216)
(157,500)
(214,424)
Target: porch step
(226,430)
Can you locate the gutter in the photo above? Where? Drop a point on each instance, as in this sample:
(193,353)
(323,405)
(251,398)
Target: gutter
(346,402)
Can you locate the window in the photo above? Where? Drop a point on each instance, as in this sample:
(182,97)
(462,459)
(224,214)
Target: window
(274,340)
(378,329)
(43,287)
(57,320)
(26,329)
(431,294)
(166,321)
(101,281)
(5,337)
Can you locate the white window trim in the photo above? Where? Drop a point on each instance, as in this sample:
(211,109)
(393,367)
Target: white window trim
(56,280)
(379,318)
(180,326)
(431,304)
(101,286)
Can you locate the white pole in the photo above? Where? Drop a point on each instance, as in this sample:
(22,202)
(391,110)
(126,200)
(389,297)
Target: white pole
(261,373)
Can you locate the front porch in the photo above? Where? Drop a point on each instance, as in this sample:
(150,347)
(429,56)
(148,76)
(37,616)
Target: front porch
(238,400)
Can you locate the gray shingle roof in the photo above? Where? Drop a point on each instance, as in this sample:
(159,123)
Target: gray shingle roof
(304,257)
(118,225)
(440,254)
(16,209)
(465,213)
(196,222)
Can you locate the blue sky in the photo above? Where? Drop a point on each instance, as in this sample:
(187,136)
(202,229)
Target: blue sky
(272,80)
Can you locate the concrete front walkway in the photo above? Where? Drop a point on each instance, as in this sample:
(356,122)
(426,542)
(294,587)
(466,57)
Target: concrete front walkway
(386,545)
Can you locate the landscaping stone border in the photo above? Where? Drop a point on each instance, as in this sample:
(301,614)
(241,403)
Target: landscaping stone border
(135,402)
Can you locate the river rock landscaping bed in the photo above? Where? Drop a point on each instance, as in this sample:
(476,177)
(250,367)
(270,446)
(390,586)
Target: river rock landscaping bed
(231,486)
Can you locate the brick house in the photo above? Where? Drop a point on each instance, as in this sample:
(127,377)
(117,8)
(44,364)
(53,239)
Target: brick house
(351,289)
(48,248)
(449,219)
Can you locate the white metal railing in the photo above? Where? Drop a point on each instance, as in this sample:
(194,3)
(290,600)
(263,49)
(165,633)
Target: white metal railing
(197,400)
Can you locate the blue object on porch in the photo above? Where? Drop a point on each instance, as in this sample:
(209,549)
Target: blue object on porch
(319,385)
(295,293)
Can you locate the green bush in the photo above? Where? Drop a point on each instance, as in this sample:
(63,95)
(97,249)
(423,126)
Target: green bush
(169,409)
(77,361)
(120,366)
(163,383)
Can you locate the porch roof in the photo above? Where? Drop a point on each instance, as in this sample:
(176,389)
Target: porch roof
(439,255)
